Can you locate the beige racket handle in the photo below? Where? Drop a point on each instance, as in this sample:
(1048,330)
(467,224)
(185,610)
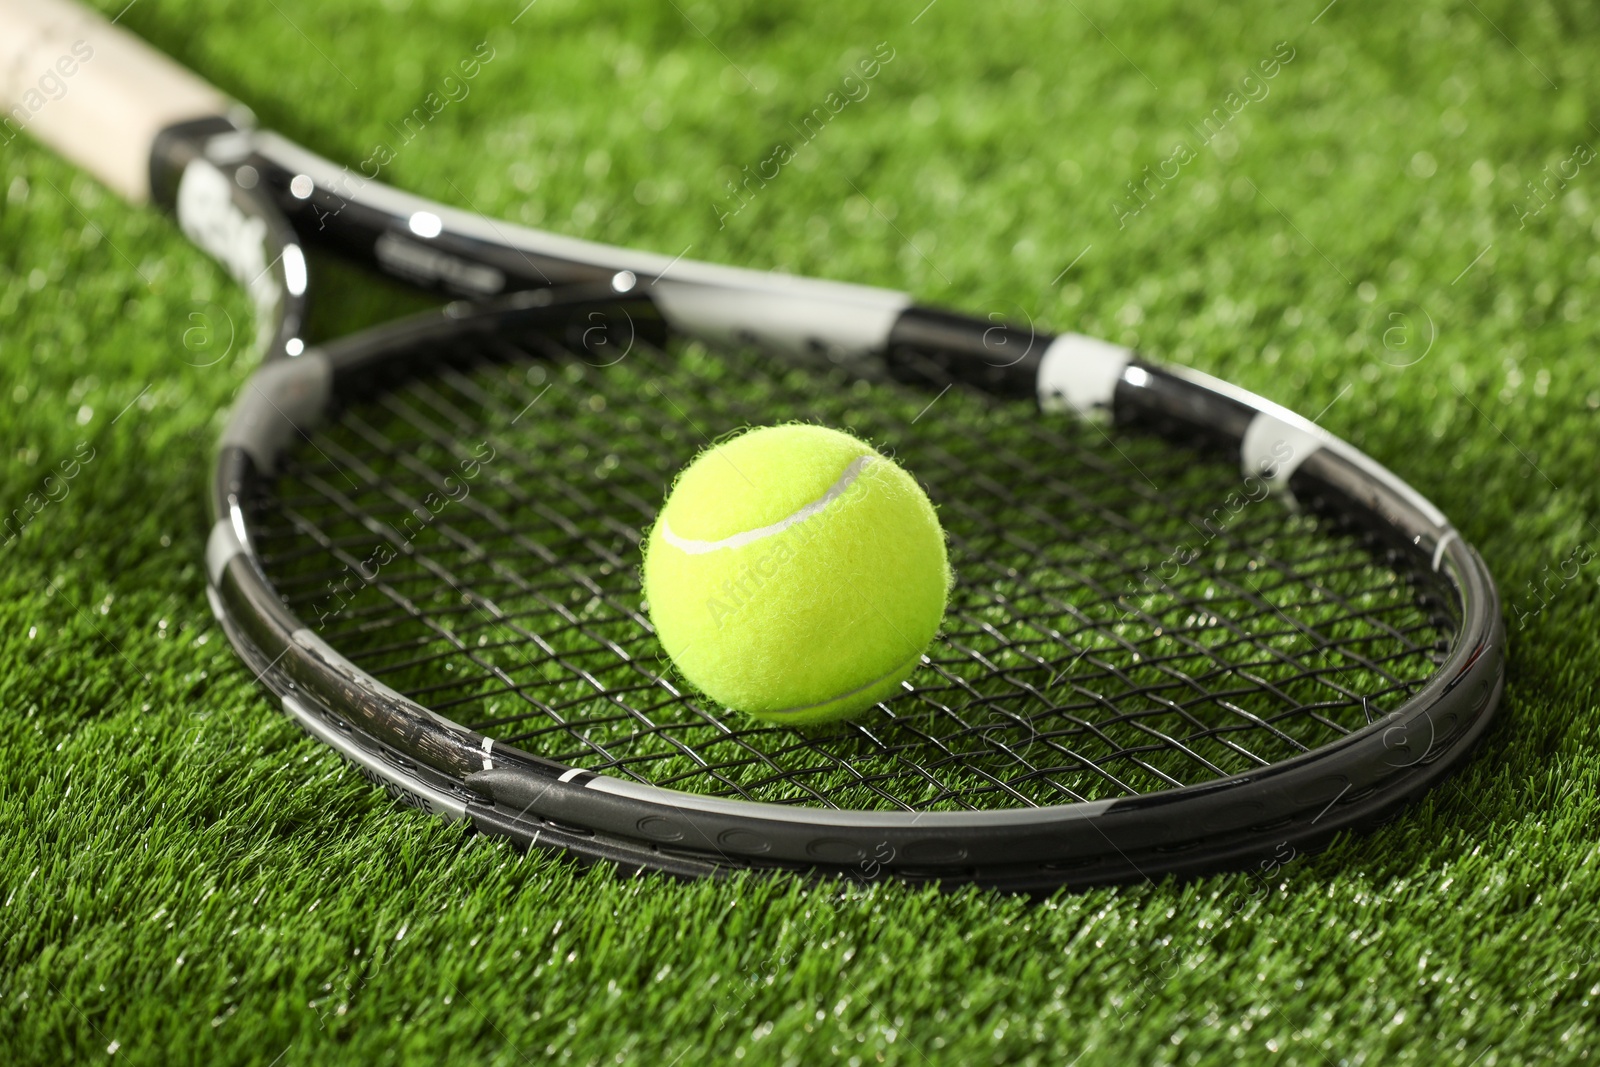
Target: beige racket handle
(92,91)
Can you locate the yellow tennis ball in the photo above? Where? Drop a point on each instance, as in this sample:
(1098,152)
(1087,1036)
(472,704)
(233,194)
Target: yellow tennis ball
(796,574)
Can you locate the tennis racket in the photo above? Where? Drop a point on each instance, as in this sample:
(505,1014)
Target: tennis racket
(1190,629)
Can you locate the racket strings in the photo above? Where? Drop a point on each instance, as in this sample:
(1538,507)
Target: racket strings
(1182,676)
(539,648)
(472,539)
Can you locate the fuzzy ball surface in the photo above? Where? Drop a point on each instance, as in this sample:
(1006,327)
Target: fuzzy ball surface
(796,574)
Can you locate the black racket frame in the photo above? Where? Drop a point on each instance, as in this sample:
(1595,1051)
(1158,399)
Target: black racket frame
(429,762)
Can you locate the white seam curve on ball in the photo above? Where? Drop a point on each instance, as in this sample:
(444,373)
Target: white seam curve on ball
(739,540)
(847,693)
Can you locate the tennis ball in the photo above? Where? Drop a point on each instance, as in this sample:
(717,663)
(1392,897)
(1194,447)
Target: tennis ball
(796,574)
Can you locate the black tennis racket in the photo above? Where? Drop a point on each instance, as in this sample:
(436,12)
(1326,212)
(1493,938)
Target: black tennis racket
(1189,627)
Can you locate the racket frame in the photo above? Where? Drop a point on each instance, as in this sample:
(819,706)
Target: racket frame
(430,762)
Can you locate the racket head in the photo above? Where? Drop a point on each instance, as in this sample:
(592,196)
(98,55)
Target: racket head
(1063,730)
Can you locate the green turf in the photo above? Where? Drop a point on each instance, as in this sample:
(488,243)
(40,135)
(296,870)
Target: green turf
(187,878)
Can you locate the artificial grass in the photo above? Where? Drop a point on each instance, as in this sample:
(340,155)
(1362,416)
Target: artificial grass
(188,878)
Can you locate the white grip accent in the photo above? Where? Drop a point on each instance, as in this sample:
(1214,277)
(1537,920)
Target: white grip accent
(92,91)
(779,313)
(221,547)
(1273,448)
(1080,374)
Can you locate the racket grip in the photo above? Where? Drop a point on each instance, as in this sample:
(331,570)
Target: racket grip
(92,91)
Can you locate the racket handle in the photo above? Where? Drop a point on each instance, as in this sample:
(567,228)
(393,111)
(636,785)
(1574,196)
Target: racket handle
(92,91)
